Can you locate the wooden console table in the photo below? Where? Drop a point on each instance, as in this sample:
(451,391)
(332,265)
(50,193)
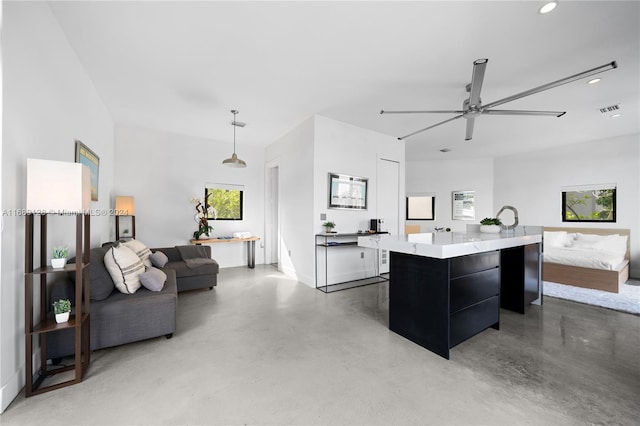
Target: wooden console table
(251,246)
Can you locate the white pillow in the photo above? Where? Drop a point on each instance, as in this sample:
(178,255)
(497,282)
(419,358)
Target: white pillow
(141,250)
(124,266)
(614,244)
(592,237)
(555,238)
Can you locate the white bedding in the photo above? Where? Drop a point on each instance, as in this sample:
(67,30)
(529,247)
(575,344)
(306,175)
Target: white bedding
(584,258)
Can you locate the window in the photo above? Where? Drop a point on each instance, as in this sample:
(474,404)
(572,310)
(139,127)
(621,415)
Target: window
(589,203)
(226,199)
(421,207)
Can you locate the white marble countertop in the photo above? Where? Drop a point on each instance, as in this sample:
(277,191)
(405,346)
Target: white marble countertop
(444,245)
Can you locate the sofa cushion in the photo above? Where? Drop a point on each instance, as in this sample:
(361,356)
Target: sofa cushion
(158,259)
(100,283)
(141,250)
(124,266)
(153,279)
(210,267)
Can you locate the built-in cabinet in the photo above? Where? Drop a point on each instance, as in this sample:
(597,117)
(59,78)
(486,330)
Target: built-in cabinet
(39,318)
(439,303)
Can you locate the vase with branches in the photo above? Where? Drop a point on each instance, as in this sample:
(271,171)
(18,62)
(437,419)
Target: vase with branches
(203,214)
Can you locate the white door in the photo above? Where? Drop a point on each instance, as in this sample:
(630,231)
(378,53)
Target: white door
(388,203)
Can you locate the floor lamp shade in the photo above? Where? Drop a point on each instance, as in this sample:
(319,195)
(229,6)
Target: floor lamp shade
(125,206)
(57,187)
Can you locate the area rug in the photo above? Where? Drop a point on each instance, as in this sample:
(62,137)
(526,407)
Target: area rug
(627,300)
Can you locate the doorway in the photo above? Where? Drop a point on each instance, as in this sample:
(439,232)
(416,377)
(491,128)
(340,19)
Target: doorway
(272,215)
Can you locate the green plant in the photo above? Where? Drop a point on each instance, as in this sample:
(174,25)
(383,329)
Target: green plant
(61,306)
(490,221)
(60,253)
(202,230)
(329,224)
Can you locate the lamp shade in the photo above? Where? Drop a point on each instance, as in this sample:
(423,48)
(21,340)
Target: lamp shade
(125,205)
(57,187)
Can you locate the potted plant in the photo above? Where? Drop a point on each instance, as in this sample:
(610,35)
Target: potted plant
(202,218)
(329,225)
(490,225)
(59,257)
(62,309)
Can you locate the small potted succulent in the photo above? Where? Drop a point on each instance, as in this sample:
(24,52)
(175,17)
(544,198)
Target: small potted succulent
(329,225)
(59,257)
(62,309)
(490,225)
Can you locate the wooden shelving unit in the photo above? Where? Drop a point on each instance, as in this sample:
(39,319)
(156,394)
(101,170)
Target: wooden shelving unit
(37,329)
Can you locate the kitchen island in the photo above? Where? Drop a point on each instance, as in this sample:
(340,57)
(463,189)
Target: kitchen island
(447,287)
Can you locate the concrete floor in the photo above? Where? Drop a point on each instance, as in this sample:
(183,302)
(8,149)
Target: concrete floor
(263,349)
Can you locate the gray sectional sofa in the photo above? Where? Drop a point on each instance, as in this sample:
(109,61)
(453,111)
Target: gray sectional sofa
(118,318)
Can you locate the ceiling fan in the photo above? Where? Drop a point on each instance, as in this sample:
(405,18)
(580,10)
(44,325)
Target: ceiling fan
(472,107)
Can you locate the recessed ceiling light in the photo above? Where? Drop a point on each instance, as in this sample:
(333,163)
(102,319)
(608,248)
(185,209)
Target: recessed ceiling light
(548,7)
(445,150)
(616,115)
(594,81)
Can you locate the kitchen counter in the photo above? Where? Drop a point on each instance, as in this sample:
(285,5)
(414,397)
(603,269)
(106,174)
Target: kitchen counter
(445,245)
(449,286)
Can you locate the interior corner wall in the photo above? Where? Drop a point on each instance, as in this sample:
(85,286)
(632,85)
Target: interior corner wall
(48,103)
(347,149)
(164,171)
(293,154)
(532,183)
(442,177)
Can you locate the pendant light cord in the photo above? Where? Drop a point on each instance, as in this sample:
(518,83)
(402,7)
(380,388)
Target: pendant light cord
(234,130)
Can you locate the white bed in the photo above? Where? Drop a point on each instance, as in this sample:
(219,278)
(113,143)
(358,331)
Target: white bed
(584,257)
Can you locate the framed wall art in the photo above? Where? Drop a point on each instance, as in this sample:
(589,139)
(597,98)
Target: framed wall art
(463,205)
(89,158)
(347,192)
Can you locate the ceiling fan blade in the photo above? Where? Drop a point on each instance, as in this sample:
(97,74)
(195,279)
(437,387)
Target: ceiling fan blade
(597,70)
(421,112)
(520,112)
(430,127)
(470,123)
(477,78)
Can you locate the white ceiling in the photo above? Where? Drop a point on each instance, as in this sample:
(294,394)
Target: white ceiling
(182,66)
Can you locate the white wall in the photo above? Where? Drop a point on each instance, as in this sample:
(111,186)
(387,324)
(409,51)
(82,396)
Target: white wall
(49,102)
(163,171)
(305,156)
(293,153)
(346,149)
(532,183)
(442,177)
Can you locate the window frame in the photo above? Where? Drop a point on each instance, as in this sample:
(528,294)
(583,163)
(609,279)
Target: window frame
(586,188)
(433,206)
(225,187)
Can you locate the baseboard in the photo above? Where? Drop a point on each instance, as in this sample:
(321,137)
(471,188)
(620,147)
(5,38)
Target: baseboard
(9,391)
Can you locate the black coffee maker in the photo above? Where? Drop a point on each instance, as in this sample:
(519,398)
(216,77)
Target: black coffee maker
(376,225)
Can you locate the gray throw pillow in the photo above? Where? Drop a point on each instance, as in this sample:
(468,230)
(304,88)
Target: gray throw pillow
(153,279)
(158,259)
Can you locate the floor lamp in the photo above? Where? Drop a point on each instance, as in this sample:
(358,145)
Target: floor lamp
(125,207)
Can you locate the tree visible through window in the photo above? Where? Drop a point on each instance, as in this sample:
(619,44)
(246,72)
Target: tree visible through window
(589,205)
(227,202)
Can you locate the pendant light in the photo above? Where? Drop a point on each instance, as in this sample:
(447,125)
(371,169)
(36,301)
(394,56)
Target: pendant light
(234,161)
